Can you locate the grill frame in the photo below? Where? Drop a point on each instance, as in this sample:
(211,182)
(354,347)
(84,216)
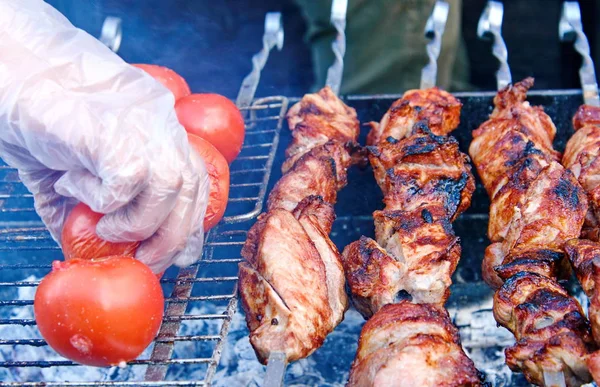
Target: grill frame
(21,234)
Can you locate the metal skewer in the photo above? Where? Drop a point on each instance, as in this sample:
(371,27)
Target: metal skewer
(570,29)
(277,362)
(434,30)
(273,37)
(490,24)
(554,379)
(338,19)
(275,370)
(112,33)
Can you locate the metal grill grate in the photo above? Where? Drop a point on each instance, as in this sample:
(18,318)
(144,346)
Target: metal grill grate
(202,298)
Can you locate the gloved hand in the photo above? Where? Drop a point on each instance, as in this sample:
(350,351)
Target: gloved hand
(80,124)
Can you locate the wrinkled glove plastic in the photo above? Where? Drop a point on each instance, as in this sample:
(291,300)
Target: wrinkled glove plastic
(80,124)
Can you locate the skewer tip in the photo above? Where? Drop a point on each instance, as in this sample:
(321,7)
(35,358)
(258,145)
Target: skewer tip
(276,365)
(554,379)
(112,33)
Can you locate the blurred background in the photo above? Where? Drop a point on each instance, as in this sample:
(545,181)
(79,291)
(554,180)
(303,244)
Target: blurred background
(210,43)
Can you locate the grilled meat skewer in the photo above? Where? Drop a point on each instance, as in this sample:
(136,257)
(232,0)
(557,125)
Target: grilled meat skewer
(292,281)
(582,157)
(536,207)
(427,183)
(409,344)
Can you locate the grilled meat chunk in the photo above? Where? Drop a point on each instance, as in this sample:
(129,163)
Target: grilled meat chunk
(415,257)
(586,115)
(428,248)
(549,263)
(582,254)
(317,119)
(593,363)
(594,309)
(530,305)
(423,168)
(286,254)
(440,109)
(321,171)
(585,258)
(292,281)
(513,189)
(502,140)
(407,344)
(312,212)
(281,263)
(536,207)
(550,327)
(582,157)
(374,276)
(550,211)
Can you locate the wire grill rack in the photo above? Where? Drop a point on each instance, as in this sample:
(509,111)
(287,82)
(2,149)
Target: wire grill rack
(201,298)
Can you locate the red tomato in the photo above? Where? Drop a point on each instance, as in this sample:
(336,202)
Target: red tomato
(169,78)
(99,312)
(79,239)
(214,118)
(218,170)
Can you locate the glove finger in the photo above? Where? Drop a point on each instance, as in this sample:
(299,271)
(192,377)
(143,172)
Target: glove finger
(195,242)
(141,218)
(187,216)
(101,195)
(19,157)
(193,250)
(157,251)
(52,207)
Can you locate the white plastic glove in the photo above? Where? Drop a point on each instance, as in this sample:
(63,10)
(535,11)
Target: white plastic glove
(80,124)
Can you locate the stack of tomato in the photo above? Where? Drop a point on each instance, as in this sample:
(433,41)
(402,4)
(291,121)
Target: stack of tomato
(101,306)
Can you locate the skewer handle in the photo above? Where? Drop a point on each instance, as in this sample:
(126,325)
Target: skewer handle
(275,370)
(570,28)
(490,24)
(112,33)
(338,20)
(434,30)
(273,37)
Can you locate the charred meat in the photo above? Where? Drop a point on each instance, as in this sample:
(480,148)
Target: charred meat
(292,281)
(427,183)
(536,207)
(401,280)
(407,344)
(582,157)
(585,258)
